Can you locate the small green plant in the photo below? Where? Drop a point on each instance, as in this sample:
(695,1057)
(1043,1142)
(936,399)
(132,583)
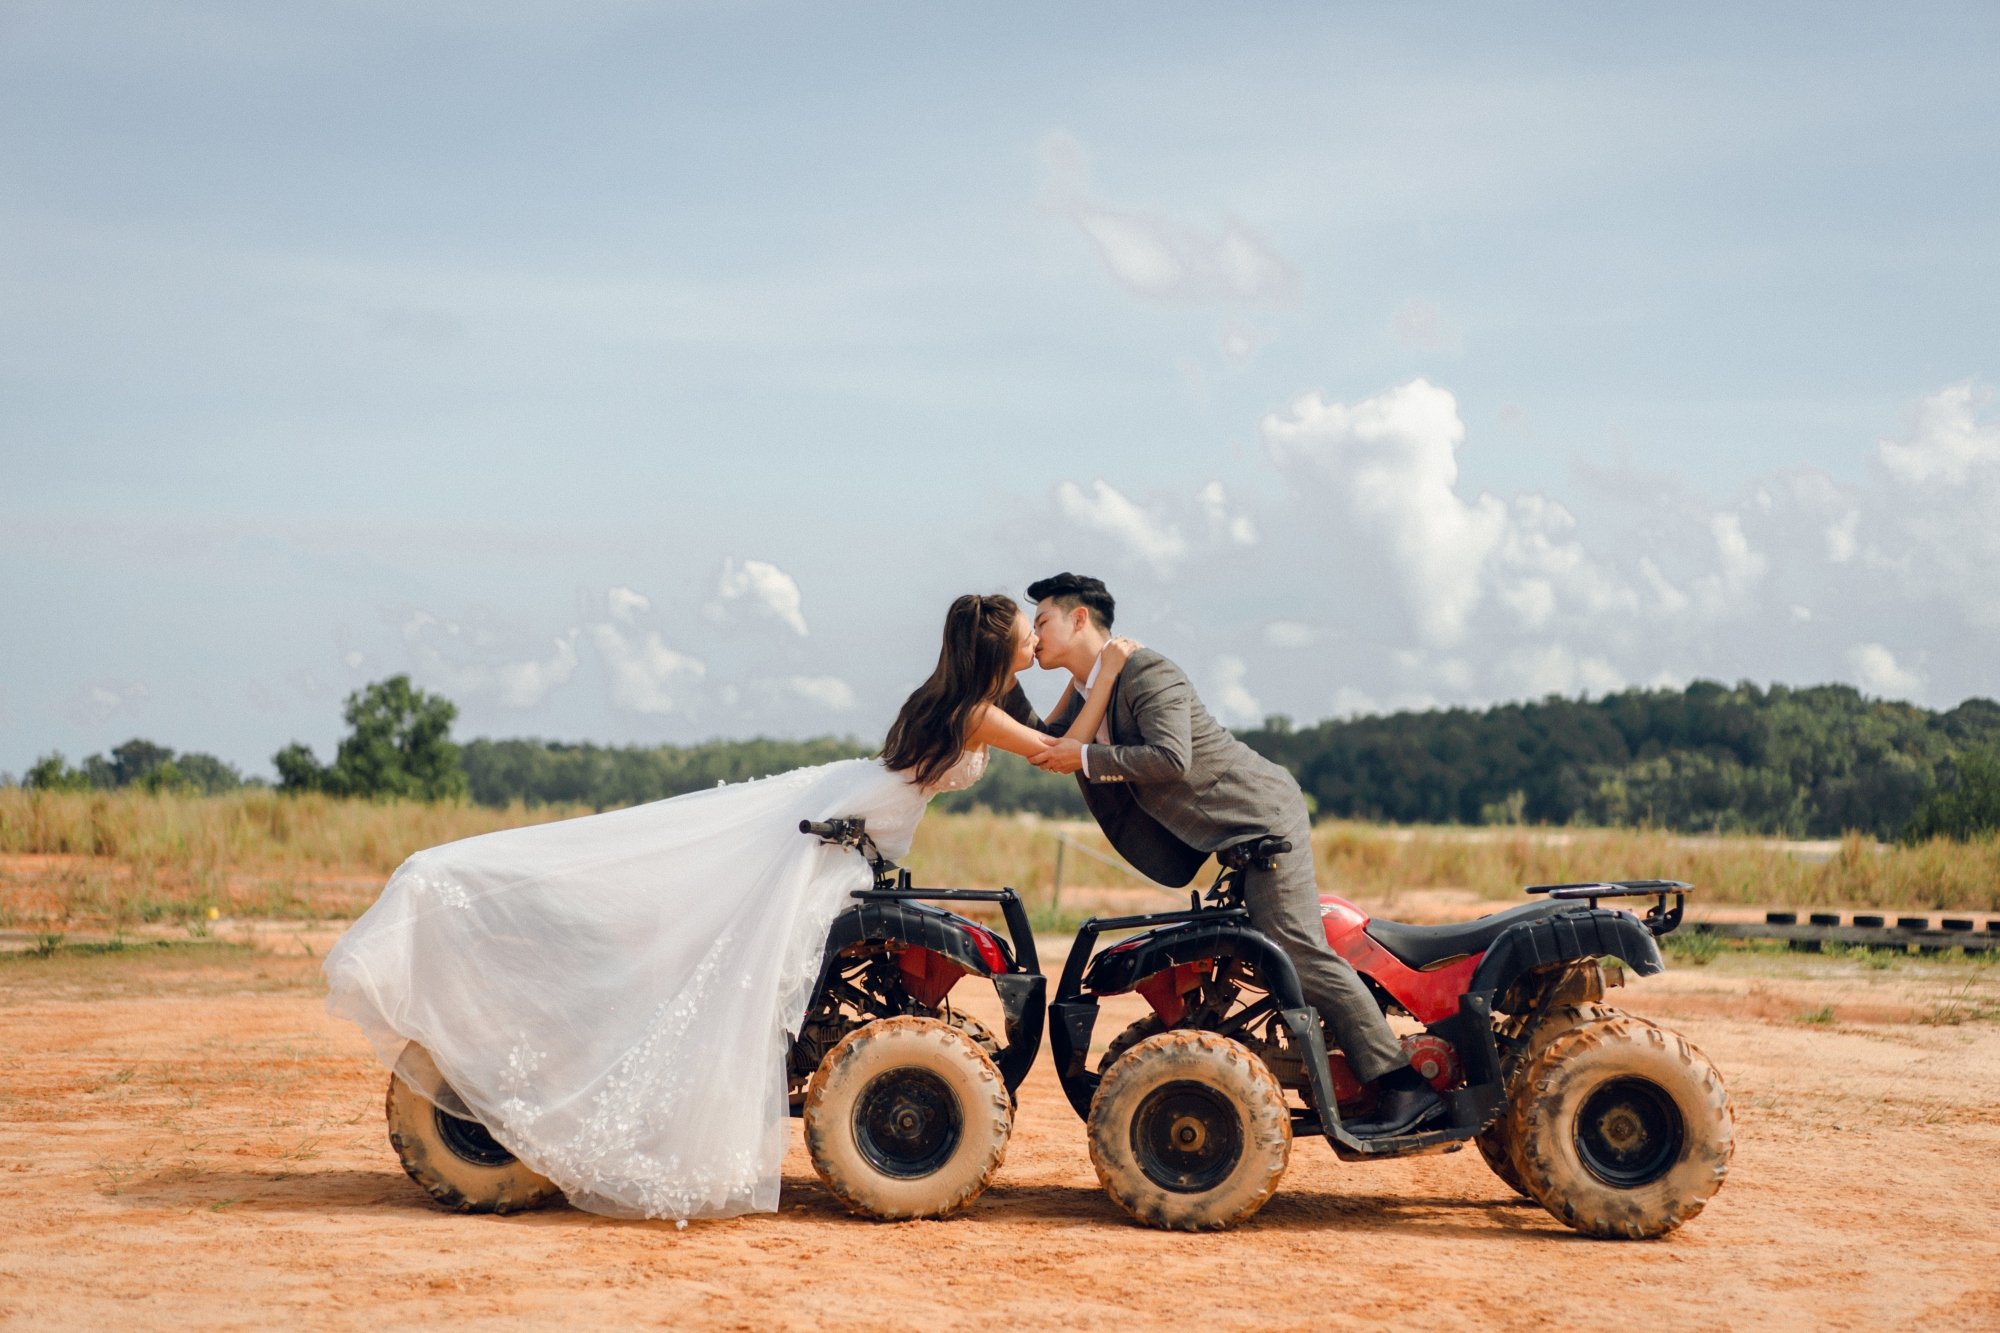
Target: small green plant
(1961,1006)
(1698,947)
(46,943)
(1820,1016)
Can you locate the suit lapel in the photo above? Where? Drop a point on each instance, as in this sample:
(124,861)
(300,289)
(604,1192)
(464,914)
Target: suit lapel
(1117,716)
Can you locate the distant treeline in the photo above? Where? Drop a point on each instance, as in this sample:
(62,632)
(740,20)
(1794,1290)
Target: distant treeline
(139,764)
(548,772)
(1798,762)
(1804,762)
(1795,762)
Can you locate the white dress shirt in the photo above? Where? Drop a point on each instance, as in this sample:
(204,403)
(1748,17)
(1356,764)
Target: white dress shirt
(1103,736)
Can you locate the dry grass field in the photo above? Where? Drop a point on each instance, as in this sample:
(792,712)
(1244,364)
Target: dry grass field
(97,862)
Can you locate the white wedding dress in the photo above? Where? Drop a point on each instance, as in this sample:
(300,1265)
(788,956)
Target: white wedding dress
(614,996)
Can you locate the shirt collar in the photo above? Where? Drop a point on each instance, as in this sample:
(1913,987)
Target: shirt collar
(1096,665)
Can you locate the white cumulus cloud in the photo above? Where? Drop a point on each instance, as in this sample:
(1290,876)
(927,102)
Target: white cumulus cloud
(1161,257)
(626,604)
(1223,525)
(1946,442)
(1877,671)
(763,588)
(1233,703)
(1146,536)
(1392,461)
(1731,588)
(646,675)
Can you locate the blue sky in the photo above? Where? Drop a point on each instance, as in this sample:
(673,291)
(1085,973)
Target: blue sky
(652,372)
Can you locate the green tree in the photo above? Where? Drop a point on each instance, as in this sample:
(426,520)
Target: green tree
(207,774)
(164,779)
(134,761)
(1965,805)
(399,744)
(299,769)
(52,773)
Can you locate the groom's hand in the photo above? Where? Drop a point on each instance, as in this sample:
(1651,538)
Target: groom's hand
(1062,756)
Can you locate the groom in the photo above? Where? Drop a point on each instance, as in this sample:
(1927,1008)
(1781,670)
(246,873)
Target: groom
(1168,785)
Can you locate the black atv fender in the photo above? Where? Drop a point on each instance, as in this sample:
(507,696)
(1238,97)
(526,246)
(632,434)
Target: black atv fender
(902,921)
(1565,937)
(1584,933)
(1073,1013)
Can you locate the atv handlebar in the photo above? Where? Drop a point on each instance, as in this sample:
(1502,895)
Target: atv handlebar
(844,831)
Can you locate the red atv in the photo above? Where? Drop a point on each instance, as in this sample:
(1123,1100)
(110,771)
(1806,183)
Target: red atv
(1617,1126)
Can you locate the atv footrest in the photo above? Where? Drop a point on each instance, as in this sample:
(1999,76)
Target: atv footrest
(1399,1146)
(1466,1111)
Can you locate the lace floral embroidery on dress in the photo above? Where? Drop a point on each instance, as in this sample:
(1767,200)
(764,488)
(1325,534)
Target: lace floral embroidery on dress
(646,1090)
(963,773)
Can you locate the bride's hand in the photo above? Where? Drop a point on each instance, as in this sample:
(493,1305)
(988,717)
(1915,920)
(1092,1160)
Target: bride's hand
(1118,651)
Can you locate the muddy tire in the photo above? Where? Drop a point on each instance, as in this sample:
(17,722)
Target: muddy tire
(457,1162)
(1496,1141)
(907,1117)
(1624,1129)
(1190,1131)
(1149,1026)
(982,1036)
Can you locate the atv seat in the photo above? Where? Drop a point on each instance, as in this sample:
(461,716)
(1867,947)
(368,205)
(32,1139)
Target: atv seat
(1423,946)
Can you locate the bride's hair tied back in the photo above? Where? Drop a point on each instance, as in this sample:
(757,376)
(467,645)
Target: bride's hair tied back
(928,735)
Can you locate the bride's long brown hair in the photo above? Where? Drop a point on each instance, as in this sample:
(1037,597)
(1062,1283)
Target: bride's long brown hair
(973,666)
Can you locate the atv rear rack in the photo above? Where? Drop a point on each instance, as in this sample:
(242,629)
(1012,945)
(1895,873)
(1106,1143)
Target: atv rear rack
(1659,918)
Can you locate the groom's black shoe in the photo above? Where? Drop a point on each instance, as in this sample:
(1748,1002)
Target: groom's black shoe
(1402,1107)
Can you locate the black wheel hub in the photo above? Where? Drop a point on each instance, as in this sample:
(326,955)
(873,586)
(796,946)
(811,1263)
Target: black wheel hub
(1629,1132)
(1187,1137)
(907,1123)
(470,1140)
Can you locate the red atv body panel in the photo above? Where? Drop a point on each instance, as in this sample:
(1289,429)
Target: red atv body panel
(1429,995)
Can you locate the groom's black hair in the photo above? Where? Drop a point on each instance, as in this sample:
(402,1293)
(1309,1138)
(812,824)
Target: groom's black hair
(1070,591)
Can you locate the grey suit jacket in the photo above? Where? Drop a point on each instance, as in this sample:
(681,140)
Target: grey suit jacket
(1173,785)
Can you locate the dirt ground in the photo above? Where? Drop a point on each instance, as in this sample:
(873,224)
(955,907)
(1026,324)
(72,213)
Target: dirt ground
(187,1140)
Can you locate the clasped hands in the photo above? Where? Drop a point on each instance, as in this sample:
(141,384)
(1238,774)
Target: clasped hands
(1063,755)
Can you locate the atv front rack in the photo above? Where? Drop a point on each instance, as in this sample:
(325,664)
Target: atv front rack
(1659,918)
(1011,911)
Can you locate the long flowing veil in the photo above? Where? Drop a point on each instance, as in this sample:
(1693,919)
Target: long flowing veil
(613,996)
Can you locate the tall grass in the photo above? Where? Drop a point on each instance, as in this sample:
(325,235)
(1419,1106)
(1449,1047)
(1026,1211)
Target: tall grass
(244,828)
(1494,863)
(1374,863)
(127,856)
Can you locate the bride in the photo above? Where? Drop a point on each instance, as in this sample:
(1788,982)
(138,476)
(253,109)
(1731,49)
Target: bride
(613,996)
